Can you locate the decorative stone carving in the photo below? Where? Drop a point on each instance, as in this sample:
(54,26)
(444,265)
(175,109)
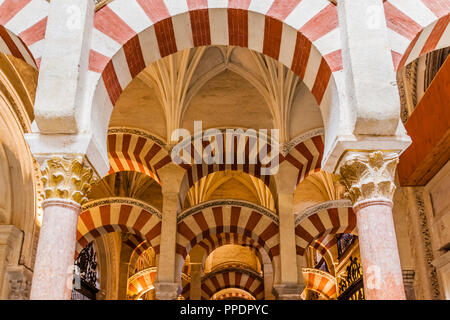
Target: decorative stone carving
(19,280)
(369,176)
(66,179)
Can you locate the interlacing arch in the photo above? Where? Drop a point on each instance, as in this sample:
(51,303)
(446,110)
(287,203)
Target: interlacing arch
(22,29)
(330,217)
(118,214)
(416,27)
(130,35)
(228,216)
(321,282)
(136,150)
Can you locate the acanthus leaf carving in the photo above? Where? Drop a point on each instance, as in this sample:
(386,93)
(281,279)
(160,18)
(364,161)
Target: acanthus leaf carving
(369,176)
(68,179)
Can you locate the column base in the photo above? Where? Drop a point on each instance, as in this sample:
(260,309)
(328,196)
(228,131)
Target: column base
(166,290)
(288,291)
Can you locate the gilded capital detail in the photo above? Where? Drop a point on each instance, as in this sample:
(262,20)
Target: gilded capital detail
(66,179)
(369,176)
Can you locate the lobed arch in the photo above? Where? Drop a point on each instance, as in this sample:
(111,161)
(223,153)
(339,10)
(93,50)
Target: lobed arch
(416,27)
(132,149)
(321,282)
(203,222)
(118,215)
(330,217)
(128,37)
(22,29)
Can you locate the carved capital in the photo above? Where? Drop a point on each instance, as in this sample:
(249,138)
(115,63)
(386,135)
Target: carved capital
(166,291)
(66,179)
(369,176)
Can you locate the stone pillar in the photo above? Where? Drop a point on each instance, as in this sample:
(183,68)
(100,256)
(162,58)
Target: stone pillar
(196,281)
(289,285)
(166,284)
(125,255)
(66,182)
(369,178)
(371,93)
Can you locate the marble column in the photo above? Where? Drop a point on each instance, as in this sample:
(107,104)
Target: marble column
(369,178)
(66,182)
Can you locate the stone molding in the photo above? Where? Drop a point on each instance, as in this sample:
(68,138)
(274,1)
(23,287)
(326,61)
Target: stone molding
(66,179)
(369,176)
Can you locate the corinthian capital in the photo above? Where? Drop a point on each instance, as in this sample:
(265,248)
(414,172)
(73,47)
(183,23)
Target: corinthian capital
(369,176)
(66,179)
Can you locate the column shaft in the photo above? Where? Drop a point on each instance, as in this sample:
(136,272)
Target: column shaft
(196,281)
(380,259)
(53,270)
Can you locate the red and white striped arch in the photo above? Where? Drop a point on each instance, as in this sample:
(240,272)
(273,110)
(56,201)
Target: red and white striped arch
(321,282)
(141,282)
(327,247)
(135,150)
(251,151)
(232,294)
(232,278)
(131,34)
(212,242)
(118,214)
(228,216)
(416,27)
(22,29)
(326,218)
(306,156)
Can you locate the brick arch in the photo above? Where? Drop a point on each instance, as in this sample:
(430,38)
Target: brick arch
(228,216)
(250,149)
(305,153)
(229,278)
(330,217)
(417,27)
(129,35)
(228,294)
(141,282)
(118,214)
(22,29)
(250,282)
(321,282)
(136,150)
(326,245)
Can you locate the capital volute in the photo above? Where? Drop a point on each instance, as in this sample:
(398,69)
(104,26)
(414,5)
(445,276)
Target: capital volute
(66,178)
(369,176)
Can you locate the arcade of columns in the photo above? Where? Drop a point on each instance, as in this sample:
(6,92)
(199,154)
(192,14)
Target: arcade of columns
(86,65)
